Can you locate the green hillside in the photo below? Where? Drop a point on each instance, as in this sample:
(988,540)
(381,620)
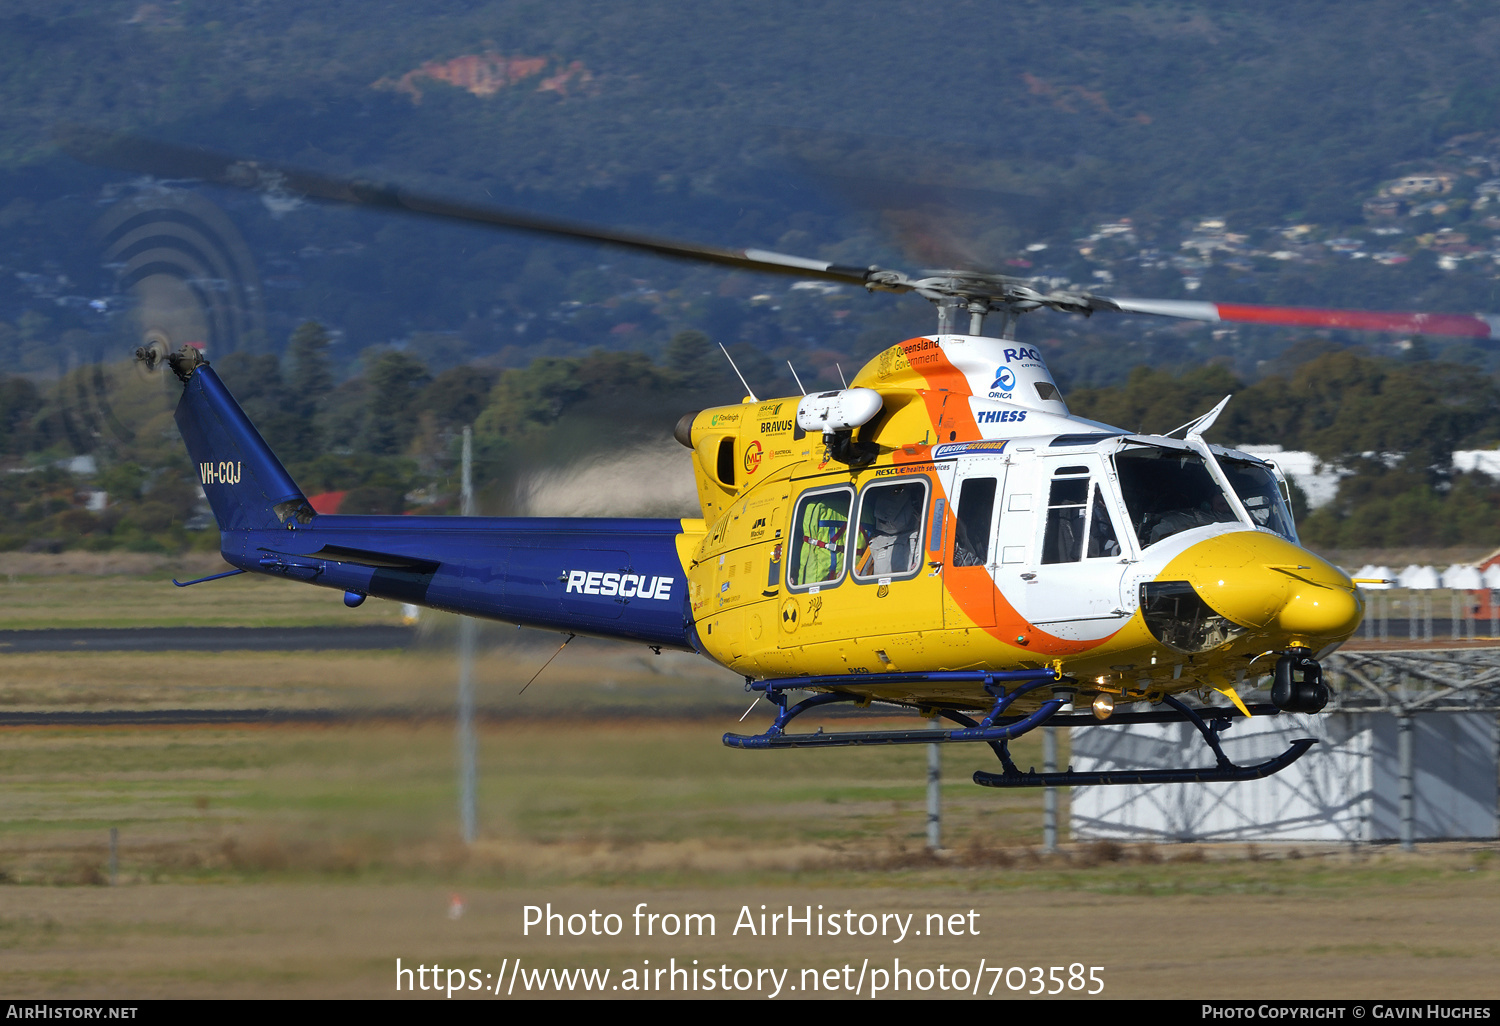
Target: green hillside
(980,128)
(1338,155)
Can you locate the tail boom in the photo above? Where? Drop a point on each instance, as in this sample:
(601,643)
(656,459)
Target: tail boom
(609,578)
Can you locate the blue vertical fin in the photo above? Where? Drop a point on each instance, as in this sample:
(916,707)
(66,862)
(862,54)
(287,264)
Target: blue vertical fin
(246,485)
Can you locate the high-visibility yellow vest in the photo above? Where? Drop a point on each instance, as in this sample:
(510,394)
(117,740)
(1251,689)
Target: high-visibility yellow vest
(822,543)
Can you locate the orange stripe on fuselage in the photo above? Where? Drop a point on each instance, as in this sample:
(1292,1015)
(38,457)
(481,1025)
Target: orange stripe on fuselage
(946,395)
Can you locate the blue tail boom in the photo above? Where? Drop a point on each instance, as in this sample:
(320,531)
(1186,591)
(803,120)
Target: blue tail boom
(614,578)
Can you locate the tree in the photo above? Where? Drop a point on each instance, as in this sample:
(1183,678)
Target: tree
(307,361)
(395,382)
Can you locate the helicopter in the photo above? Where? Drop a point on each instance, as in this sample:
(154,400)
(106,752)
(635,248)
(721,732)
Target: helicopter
(940,535)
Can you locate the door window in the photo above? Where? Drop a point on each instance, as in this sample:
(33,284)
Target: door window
(1103,541)
(820,538)
(1067,516)
(1077,513)
(889,542)
(976,506)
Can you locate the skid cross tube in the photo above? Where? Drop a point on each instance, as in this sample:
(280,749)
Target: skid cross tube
(994,728)
(1223,771)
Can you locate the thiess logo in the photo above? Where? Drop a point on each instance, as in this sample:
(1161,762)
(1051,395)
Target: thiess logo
(1000,416)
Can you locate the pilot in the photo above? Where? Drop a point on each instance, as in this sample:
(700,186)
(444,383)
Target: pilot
(1213,510)
(892,525)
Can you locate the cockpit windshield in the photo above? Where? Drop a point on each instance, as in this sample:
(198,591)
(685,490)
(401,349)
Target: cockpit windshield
(1258,489)
(1168,491)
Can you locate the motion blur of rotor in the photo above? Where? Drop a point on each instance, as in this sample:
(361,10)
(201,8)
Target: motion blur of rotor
(188,280)
(190,273)
(955,293)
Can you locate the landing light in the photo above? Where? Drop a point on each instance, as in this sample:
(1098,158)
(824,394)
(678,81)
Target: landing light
(1104,705)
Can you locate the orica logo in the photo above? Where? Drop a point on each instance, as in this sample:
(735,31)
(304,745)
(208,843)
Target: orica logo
(1005,379)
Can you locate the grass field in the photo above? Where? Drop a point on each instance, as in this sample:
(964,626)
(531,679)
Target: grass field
(303,861)
(29,602)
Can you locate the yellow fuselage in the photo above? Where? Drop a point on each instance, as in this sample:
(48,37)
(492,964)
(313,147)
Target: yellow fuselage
(803,565)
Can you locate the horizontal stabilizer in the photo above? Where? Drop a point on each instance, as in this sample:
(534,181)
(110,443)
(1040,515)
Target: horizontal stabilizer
(378,560)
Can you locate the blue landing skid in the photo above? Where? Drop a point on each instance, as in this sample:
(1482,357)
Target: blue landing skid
(997,730)
(1212,775)
(1223,771)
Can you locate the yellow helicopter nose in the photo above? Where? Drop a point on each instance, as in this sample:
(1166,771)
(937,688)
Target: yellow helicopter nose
(1261,581)
(1321,611)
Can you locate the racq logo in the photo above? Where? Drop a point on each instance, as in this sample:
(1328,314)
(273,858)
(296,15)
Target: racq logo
(595,582)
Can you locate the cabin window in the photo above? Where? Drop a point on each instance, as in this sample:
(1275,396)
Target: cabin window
(976,505)
(1258,489)
(820,537)
(889,540)
(1079,524)
(1067,516)
(1168,491)
(1103,541)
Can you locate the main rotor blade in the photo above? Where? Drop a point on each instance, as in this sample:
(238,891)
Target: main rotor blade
(1462,325)
(123,151)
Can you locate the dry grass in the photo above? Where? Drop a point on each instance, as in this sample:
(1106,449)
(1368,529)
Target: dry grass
(302,861)
(589,678)
(29,602)
(289,940)
(558,802)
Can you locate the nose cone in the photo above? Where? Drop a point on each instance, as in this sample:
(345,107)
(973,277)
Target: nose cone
(1264,582)
(1320,612)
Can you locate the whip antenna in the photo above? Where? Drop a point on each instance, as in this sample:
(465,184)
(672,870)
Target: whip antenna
(750,391)
(795,378)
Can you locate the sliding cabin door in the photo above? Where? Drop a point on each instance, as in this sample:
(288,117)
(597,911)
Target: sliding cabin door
(1070,584)
(859,564)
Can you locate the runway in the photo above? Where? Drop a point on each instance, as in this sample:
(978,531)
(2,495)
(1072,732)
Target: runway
(207,639)
(203,717)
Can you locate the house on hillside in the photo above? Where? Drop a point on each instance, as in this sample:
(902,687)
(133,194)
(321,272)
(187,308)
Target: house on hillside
(1425,183)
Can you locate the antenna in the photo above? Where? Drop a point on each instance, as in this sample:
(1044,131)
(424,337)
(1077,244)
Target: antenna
(753,397)
(841,376)
(795,378)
